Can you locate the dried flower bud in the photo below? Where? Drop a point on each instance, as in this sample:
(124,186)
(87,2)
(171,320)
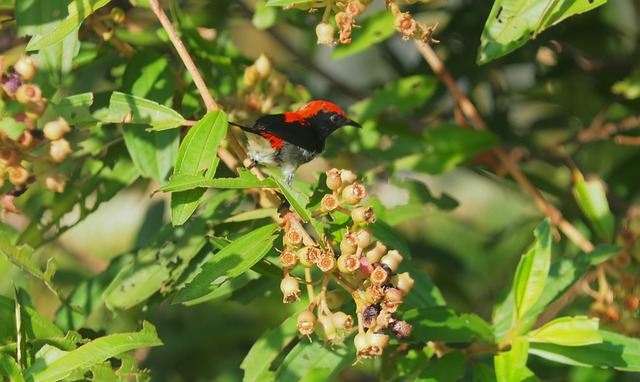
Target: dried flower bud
(326,263)
(392,259)
(59,150)
(403,282)
(354,8)
(56,129)
(324,33)
(364,237)
(361,343)
(401,329)
(26,67)
(34,110)
(348,177)
(349,243)
(18,175)
(28,93)
(292,238)
(379,276)
(363,215)
(329,202)
(334,299)
(117,15)
(9,157)
(26,140)
(353,193)
(334,181)
(375,254)
(308,256)
(374,294)
(306,322)
(348,263)
(393,294)
(632,302)
(288,259)
(325,328)
(55,183)
(290,289)
(377,342)
(343,321)
(405,24)
(251,77)
(263,65)
(369,315)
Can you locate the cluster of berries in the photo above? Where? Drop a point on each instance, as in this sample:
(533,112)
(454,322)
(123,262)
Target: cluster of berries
(367,270)
(265,87)
(617,300)
(23,153)
(345,20)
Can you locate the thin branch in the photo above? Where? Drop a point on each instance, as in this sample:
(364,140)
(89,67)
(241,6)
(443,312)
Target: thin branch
(209,102)
(470,111)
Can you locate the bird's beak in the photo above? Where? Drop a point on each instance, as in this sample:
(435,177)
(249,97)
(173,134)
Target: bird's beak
(351,122)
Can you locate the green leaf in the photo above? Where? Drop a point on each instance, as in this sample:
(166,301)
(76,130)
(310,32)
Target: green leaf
(615,351)
(155,267)
(10,368)
(447,147)
(406,94)
(296,199)
(314,362)
(117,107)
(148,75)
(562,275)
(12,128)
(101,178)
(257,362)
(532,271)
(568,331)
(197,155)
(78,10)
(443,324)
(184,182)
(592,200)
(21,256)
(231,261)
(510,365)
(38,18)
(629,87)
(450,367)
(376,28)
(95,352)
(282,3)
(264,16)
(512,23)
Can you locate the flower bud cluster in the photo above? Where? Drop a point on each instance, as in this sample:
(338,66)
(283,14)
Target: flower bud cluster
(409,27)
(363,267)
(20,162)
(263,88)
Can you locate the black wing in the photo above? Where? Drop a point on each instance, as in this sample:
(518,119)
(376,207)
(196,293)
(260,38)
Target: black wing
(295,133)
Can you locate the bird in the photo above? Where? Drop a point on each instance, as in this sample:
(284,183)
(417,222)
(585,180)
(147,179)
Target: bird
(291,139)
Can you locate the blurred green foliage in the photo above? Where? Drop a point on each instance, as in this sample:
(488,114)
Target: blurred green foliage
(555,82)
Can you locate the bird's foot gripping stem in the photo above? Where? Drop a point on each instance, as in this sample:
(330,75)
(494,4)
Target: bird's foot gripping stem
(253,164)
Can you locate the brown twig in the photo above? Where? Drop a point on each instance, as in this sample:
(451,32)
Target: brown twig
(230,160)
(470,111)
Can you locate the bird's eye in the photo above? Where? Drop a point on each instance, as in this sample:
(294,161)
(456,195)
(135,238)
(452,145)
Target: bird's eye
(335,118)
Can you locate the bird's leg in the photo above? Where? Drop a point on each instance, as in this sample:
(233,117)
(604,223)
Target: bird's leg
(288,179)
(253,164)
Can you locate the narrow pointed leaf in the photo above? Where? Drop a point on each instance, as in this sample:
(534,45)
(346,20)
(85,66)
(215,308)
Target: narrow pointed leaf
(197,156)
(532,271)
(592,200)
(568,331)
(231,261)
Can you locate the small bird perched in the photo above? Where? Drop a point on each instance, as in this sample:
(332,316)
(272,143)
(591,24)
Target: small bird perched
(291,139)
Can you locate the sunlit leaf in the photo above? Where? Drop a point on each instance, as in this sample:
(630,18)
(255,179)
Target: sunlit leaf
(568,331)
(375,28)
(230,262)
(615,351)
(510,365)
(592,200)
(257,362)
(78,10)
(442,324)
(512,23)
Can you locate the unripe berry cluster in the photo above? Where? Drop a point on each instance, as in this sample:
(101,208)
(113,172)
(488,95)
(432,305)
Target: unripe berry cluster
(22,160)
(264,87)
(617,298)
(354,262)
(345,20)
